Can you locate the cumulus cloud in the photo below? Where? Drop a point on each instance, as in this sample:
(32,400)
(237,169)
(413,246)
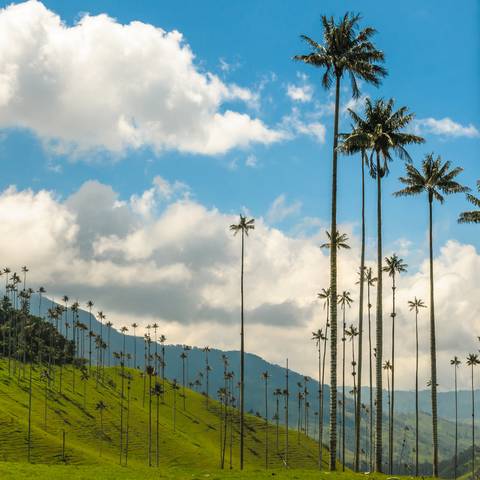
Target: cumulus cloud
(180,266)
(445,127)
(103,86)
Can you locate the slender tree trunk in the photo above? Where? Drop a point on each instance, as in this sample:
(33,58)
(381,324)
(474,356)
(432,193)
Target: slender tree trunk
(121,413)
(416,394)
(286,418)
(379,335)
(433,353)
(320,432)
(456,422)
(473,427)
(30,410)
(371,413)
(343,392)
(333,291)
(360,328)
(158,413)
(242,361)
(150,422)
(320,391)
(390,433)
(128,424)
(266,427)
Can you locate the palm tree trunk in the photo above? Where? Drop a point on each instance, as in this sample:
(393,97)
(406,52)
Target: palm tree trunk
(266,427)
(242,364)
(416,394)
(379,333)
(320,391)
(473,428)
(433,353)
(320,426)
(343,393)
(360,328)
(158,413)
(456,422)
(390,433)
(333,291)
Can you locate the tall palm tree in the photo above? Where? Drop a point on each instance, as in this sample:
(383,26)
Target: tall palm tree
(65,299)
(343,300)
(183,356)
(278,392)
(101,406)
(124,330)
(109,325)
(416,304)
(84,377)
(474,215)
(162,340)
(473,360)
(319,337)
(387,366)
(394,265)
(134,326)
(325,295)
(90,305)
(380,133)
(206,350)
(266,376)
(343,52)
(150,372)
(370,280)
(352,332)
(174,386)
(434,180)
(244,226)
(158,391)
(40,292)
(456,362)
(364,161)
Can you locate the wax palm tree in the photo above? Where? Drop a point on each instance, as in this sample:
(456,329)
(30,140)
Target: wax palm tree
(158,391)
(344,52)
(394,265)
(352,332)
(174,386)
(90,305)
(434,180)
(84,377)
(387,366)
(109,325)
(101,406)
(416,304)
(162,340)
(456,362)
(266,376)
(278,392)
(244,226)
(134,326)
(150,372)
(207,350)
(40,292)
(129,377)
(183,356)
(343,300)
(45,376)
(319,337)
(474,215)
(364,161)
(472,361)
(65,299)
(380,133)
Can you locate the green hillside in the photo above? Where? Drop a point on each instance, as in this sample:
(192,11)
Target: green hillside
(188,438)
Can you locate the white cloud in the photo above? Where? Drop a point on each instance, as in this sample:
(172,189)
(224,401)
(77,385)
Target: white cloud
(445,126)
(279,210)
(100,85)
(302,92)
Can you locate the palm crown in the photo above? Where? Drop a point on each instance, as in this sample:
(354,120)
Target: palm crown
(474,215)
(434,180)
(344,51)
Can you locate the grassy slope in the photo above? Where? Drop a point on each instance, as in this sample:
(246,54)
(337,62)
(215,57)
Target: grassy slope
(193,444)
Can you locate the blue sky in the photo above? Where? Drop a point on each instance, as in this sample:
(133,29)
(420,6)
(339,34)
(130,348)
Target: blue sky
(143,141)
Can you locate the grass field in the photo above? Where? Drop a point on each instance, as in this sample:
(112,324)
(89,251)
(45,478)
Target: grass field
(194,442)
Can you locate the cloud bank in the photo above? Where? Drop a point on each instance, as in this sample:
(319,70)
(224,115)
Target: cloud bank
(100,85)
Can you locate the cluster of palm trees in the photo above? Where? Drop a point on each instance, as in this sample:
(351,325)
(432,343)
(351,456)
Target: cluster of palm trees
(347,51)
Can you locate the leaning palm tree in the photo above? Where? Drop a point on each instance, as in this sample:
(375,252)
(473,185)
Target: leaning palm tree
(434,180)
(343,52)
(266,376)
(473,360)
(343,300)
(416,304)
(380,133)
(101,406)
(456,362)
(394,265)
(244,227)
(474,215)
